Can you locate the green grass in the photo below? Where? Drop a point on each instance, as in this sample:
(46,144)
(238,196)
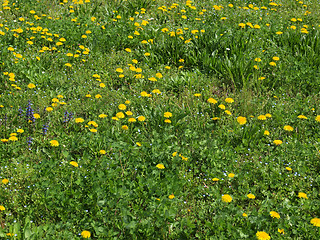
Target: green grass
(67,68)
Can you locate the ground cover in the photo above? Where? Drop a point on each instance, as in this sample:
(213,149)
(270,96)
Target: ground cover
(159,119)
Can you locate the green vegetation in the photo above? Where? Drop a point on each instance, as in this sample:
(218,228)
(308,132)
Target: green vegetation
(153,119)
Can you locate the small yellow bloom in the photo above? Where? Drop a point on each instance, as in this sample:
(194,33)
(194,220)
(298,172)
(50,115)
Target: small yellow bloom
(212,100)
(20,130)
(288,128)
(231,175)
(54,143)
(93,130)
(5,181)
(221,106)
(167,114)
(277,142)
(120,115)
(289,168)
(73,163)
(229,100)
(241,120)
(251,196)
(102,152)
(167,121)
(132,120)
(102,115)
(31,85)
(274,214)
(226,198)
(315,222)
(2,208)
(125,127)
(122,107)
(171,196)
(141,118)
(86,234)
(36,116)
(262,117)
(79,120)
(160,166)
(263,236)
(318,118)
(302,117)
(281,231)
(215,179)
(267,133)
(302,195)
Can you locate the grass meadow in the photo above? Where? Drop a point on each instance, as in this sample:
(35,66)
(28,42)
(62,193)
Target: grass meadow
(154,119)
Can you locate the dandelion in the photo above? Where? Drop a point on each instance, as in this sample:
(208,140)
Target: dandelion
(273,64)
(315,222)
(171,196)
(244,215)
(73,163)
(2,208)
(212,100)
(251,196)
(221,106)
(93,130)
(167,121)
(119,70)
(266,133)
(86,234)
(263,236)
(281,231)
(20,131)
(31,85)
(289,168)
(125,127)
(302,195)
(262,117)
(122,107)
(231,175)
(167,114)
(241,120)
(226,198)
(318,118)
(302,117)
(215,179)
(54,143)
(275,58)
(13,138)
(268,115)
(274,214)
(36,116)
(160,166)
(5,181)
(102,115)
(277,142)
(79,120)
(197,94)
(132,120)
(229,100)
(141,118)
(288,128)
(120,115)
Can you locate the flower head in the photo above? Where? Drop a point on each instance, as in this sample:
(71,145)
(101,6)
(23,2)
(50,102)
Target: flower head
(288,128)
(241,120)
(54,143)
(160,166)
(318,118)
(277,142)
(2,208)
(263,236)
(229,100)
(5,181)
(226,198)
(251,196)
(167,114)
(315,222)
(262,117)
(274,214)
(73,163)
(171,196)
(86,234)
(302,195)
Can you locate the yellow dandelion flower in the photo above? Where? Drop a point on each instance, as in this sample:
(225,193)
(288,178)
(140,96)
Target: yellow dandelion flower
(274,214)
(79,120)
(229,100)
(315,222)
(86,234)
(171,196)
(125,127)
(267,133)
(277,142)
(160,166)
(241,120)
(263,236)
(31,85)
(262,117)
(2,208)
(73,163)
(54,143)
(317,118)
(120,115)
(302,117)
(221,106)
(167,114)
(141,118)
(212,100)
(302,195)
(288,128)
(226,198)
(231,175)
(5,181)
(251,196)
